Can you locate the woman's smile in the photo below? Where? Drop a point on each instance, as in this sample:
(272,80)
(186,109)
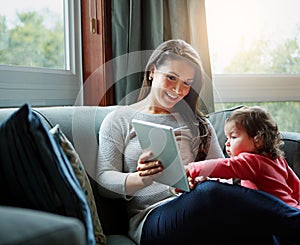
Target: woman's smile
(172,96)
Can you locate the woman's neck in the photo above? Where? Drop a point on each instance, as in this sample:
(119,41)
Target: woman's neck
(146,106)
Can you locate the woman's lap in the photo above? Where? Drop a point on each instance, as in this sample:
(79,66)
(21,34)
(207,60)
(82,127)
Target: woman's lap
(217,212)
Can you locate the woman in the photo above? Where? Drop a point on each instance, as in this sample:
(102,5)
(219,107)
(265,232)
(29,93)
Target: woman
(212,211)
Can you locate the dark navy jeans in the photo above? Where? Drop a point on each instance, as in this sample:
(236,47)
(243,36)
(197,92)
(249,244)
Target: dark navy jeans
(219,213)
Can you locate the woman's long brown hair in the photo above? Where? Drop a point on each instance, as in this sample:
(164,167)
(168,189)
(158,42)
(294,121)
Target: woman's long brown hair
(189,107)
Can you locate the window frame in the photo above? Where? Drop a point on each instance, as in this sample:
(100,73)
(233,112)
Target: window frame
(48,87)
(256,87)
(229,87)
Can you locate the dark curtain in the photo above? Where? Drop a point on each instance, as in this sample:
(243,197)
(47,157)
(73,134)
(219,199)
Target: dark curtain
(139,26)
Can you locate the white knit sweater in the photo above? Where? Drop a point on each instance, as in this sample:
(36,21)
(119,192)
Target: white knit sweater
(119,150)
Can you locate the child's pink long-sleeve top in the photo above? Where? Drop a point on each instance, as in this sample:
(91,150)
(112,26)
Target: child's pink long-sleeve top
(255,172)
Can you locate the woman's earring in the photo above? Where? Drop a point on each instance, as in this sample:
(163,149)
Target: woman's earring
(150,78)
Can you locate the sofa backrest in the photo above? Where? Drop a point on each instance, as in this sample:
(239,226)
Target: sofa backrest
(79,123)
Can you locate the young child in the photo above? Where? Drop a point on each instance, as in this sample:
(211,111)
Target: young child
(253,144)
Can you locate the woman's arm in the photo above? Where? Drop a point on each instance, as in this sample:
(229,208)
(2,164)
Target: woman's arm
(110,166)
(110,157)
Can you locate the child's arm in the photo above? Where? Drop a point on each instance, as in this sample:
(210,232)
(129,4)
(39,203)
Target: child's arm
(245,166)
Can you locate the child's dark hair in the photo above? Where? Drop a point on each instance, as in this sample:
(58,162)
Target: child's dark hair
(259,125)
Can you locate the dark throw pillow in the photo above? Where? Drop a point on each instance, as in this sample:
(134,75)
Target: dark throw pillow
(35,172)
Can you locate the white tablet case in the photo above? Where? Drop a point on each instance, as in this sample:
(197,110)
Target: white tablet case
(160,139)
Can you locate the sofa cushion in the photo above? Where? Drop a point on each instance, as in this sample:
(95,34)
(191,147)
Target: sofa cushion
(26,226)
(35,173)
(83,179)
(120,240)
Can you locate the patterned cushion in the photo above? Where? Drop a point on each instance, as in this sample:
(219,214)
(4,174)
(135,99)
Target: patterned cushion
(83,179)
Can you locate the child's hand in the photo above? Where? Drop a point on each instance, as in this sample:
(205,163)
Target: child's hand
(192,182)
(201,179)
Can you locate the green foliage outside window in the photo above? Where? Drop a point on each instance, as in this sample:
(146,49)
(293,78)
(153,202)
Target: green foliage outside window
(31,43)
(265,57)
(286,114)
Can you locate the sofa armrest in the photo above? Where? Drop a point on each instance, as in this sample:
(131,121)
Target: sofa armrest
(26,226)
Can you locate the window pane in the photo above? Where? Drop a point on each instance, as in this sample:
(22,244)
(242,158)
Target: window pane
(32,33)
(254,36)
(31,80)
(286,114)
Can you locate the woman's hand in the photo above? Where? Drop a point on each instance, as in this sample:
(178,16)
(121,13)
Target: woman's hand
(146,173)
(148,170)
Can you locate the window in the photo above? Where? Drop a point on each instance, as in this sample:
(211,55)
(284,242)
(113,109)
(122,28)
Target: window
(255,55)
(40,53)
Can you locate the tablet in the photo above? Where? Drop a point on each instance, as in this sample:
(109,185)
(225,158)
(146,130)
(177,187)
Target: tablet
(160,139)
